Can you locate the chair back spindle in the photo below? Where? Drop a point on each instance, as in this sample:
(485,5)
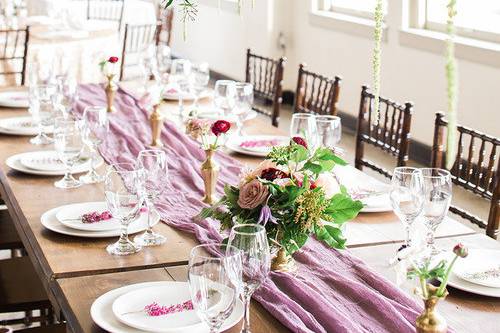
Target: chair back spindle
(13,55)
(106,10)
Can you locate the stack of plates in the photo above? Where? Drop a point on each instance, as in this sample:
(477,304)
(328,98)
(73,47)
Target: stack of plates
(45,163)
(478,273)
(66,220)
(255,145)
(20,126)
(14,99)
(121,310)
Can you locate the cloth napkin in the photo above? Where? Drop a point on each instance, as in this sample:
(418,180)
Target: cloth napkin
(332,291)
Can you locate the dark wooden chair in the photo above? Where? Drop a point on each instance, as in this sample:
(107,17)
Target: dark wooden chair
(22,291)
(9,239)
(391,134)
(164,32)
(136,39)
(266,75)
(106,10)
(316,94)
(13,54)
(478,172)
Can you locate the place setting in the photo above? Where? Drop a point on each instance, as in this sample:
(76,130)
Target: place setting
(14,99)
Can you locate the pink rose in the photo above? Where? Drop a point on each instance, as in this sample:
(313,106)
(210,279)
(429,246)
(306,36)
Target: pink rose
(252,194)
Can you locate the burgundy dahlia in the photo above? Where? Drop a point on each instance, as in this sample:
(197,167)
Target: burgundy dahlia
(272,174)
(300,141)
(220,127)
(113,60)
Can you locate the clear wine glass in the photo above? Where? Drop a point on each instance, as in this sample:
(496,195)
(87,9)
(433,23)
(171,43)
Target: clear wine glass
(304,125)
(163,58)
(243,104)
(95,126)
(152,171)
(149,65)
(437,199)
(42,111)
(180,73)
(251,240)
(407,196)
(329,131)
(68,145)
(65,95)
(224,95)
(201,77)
(214,277)
(124,202)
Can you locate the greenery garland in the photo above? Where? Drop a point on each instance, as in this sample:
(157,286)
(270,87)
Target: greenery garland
(379,19)
(452,85)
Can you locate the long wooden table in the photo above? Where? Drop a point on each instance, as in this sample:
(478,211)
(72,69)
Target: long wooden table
(66,263)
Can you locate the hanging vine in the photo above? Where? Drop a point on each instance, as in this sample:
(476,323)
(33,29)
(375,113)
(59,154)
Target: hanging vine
(377,49)
(452,85)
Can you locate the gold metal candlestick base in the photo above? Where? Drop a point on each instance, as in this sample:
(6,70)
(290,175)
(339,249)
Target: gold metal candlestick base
(110,89)
(430,321)
(283,262)
(156,120)
(209,172)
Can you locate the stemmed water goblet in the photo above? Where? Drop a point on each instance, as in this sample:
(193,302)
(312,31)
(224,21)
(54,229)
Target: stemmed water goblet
(121,190)
(437,199)
(42,111)
(152,171)
(214,276)
(65,94)
(407,197)
(201,77)
(304,125)
(224,95)
(180,73)
(243,104)
(329,131)
(68,145)
(149,65)
(251,240)
(94,126)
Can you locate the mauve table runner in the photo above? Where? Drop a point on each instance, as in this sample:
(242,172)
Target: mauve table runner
(332,291)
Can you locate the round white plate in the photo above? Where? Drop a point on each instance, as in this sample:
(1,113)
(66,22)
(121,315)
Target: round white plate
(70,216)
(14,99)
(234,143)
(102,313)
(457,282)
(50,221)
(14,162)
(212,114)
(377,204)
(478,261)
(175,96)
(20,126)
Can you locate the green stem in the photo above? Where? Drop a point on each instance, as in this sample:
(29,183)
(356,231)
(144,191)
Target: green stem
(442,286)
(423,285)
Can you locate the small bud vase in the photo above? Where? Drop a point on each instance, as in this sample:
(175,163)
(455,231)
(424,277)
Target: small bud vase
(110,89)
(430,321)
(283,262)
(209,172)
(156,121)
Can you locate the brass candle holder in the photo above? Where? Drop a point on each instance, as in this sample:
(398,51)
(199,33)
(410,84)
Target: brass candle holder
(156,121)
(110,89)
(430,321)
(209,172)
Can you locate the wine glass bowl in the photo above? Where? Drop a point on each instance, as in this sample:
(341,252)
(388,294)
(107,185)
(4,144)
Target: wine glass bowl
(43,112)
(243,103)
(68,145)
(224,95)
(95,126)
(329,129)
(304,125)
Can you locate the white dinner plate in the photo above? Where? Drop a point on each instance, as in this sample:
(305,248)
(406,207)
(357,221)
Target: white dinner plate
(70,216)
(377,204)
(173,94)
(50,221)
(213,114)
(101,310)
(14,162)
(14,99)
(242,144)
(475,266)
(20,126)
(49,161)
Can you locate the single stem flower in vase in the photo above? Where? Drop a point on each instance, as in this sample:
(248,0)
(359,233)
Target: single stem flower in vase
(209,168)
(109,68)
(290,194)
(415,264)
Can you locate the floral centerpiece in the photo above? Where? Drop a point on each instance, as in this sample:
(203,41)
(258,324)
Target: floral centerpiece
(432,276)
(109,68)
(294,195)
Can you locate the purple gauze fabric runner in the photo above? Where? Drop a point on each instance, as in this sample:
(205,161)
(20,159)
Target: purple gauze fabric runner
(332,291)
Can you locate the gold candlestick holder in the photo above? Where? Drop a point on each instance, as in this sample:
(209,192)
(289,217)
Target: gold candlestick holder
(283,262)
(431,321)
(110,89)
(209,172)
(156,121)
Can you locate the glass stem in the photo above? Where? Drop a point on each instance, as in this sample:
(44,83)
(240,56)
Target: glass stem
(407,231)
(430,239)
(150,206)
(124,234)
(246,324)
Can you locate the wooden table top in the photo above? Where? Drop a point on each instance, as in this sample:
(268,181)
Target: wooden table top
(465,312)
(60,259)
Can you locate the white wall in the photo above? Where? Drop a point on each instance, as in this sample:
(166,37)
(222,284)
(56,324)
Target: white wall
(407,73)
